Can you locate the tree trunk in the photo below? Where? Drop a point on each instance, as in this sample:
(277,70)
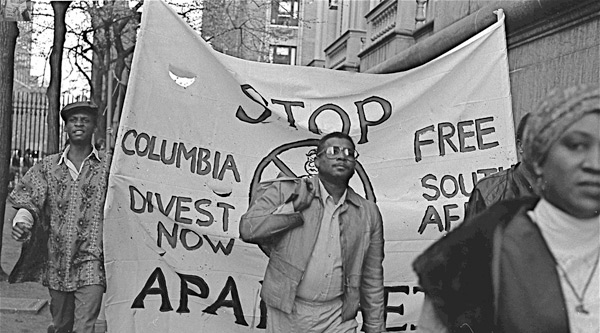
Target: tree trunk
(8,40)
(53,92)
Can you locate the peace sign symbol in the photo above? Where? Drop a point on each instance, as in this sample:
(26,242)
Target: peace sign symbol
(301,147)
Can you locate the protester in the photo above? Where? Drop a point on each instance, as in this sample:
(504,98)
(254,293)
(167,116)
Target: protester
(325,244)
(511,183)
(60,204)
(529,265)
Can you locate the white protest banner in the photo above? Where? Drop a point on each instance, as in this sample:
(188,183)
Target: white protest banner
(199,129)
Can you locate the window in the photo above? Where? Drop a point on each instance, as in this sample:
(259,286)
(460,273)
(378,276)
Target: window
(284,12)
(285,55)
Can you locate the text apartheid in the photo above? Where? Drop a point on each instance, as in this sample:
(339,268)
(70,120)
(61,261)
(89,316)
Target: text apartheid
(200,160)
(229,298)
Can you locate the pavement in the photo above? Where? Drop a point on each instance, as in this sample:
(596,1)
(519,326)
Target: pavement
(24,307)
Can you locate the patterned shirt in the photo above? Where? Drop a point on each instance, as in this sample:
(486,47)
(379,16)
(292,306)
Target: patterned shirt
(71,209)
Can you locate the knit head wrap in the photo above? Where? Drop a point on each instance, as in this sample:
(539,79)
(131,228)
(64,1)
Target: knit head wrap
(559,110)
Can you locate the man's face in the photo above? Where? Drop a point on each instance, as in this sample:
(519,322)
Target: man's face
(80,127)
(337,167)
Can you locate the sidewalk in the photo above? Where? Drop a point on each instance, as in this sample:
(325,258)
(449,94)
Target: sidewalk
(20,321)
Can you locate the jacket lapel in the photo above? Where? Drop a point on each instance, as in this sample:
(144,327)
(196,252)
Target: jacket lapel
(530,296)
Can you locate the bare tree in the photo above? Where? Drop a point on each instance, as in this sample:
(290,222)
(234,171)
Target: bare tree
(53,91)
(8,40)
(238,27)
(191,12)
(106,41)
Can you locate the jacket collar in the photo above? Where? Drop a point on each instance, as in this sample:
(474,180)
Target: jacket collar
(351,196)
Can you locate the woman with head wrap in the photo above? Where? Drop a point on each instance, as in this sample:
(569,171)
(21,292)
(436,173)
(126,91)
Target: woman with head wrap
(529,265)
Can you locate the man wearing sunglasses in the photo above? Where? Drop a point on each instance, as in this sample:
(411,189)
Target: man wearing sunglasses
(325,245)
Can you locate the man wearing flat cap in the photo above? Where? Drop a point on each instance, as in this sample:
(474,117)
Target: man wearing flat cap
(60,203)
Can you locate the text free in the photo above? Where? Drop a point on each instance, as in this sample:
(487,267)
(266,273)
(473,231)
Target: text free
(445,136)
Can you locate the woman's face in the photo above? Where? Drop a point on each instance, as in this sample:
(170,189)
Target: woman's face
(571,170)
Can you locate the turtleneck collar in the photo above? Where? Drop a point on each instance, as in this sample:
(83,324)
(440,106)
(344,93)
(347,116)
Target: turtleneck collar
(566,234)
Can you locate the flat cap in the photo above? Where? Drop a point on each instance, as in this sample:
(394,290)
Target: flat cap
(83,106)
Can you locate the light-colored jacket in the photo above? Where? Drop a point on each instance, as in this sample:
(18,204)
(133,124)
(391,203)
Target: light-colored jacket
(290,239)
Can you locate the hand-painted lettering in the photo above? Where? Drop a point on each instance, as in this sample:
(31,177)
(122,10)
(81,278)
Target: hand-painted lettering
(185,291)
(432,216)
(312,120)
(386,107)
(228,297)
(190,239)
(254,95)
(290,106)
(287,105)
(157,275)
(447,137)
(229,289)
(448,187)
(202,214)
(198,159)
(401,293)
(484,131)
